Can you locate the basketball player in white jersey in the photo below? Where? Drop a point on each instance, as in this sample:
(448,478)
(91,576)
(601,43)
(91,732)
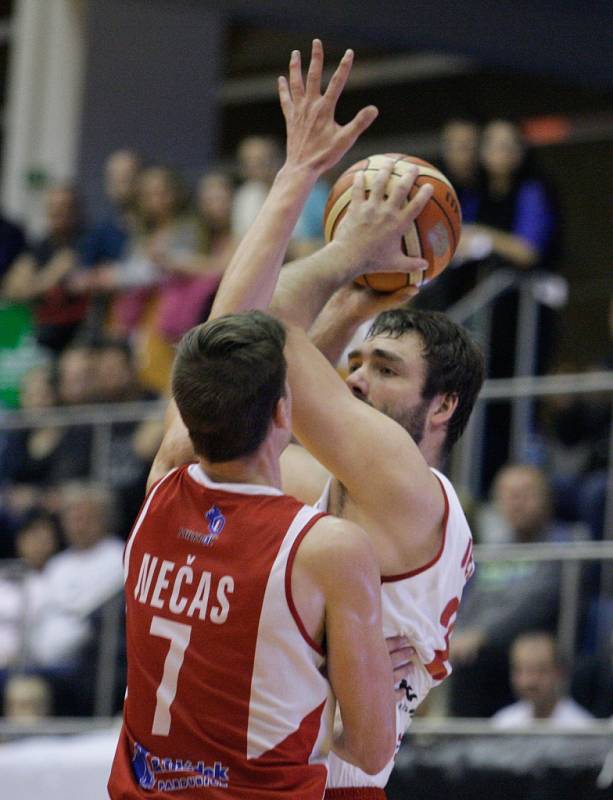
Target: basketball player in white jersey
(411,388)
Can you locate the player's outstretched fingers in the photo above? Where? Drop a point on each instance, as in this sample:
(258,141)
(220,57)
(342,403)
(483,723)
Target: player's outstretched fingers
(417,204)
(362,120)
(316,65)
(295,76)
(285,97)
(402,187)
(339,79)
(358,188)
(379,185)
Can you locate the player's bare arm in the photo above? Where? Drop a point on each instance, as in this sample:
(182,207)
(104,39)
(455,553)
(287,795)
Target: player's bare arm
(382,470)
(315,142)
(335,567)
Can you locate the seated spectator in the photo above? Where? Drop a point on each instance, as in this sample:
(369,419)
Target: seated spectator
(27,698)
(78,580)
(215,198)
(22,592)
(538,677)
(51,454)
(459,161)
(259,158)
(523,510)
(133,444)
(106,243)
(42,276)
(516,228)
(505,598)
(155,304)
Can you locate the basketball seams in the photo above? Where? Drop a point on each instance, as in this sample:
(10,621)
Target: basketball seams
(443,209)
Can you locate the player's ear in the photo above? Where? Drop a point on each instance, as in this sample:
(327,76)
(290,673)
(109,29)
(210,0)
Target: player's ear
(282,413)
(444,408)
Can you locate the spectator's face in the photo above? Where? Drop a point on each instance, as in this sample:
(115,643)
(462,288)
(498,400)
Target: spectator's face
(82,522)
(157,195)
(535,676)
(121,174)
(115,374)
(36,543)
(523,500)
(215,200)
(460,149)
(389,374)
(36,390)
(62,214)
(501,151)
(76,372)
(258,159)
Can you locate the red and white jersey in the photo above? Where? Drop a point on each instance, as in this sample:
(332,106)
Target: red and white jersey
(225,695)
(421,605)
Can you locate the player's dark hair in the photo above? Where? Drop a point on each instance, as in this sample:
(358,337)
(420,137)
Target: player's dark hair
(228,376)
(454,361)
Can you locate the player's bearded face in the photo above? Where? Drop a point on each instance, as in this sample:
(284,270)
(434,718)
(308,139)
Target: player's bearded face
(412,419)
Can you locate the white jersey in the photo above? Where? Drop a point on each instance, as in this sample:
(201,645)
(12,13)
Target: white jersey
(421,605)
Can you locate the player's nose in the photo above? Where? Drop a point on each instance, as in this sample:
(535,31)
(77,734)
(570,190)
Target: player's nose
(356,381)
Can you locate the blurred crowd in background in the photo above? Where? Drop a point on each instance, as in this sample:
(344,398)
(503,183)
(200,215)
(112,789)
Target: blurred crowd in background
(89,314)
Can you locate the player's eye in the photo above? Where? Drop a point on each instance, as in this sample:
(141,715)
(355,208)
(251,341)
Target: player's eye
(354,366)
(386,371)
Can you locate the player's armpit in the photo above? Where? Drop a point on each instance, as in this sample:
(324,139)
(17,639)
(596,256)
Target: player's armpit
(340,559)
(371,455)
(302,476)
(176,448)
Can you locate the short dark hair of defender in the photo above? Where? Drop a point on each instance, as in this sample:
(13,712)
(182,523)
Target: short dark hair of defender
(454,361)
(228,375)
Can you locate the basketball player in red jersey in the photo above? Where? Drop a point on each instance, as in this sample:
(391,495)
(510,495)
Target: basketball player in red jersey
(231,587)
(420,370)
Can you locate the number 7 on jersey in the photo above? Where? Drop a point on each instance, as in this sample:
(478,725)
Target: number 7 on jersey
(179,636)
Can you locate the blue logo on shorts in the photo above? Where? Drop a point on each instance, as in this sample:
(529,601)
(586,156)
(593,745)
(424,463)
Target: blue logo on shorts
(141,767)
(216,520)
(176,774)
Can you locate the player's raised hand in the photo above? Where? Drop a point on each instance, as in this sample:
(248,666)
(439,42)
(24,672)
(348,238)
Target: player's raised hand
(375,221)
(315,141)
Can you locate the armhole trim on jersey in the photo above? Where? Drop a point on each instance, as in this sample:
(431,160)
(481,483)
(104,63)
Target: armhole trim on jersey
(413,572)
(288,583)
(139,520)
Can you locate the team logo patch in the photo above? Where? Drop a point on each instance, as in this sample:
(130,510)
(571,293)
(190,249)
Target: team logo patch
(174,774)
(215,520)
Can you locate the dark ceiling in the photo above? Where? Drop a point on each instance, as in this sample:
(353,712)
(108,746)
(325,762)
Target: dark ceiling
(568,39)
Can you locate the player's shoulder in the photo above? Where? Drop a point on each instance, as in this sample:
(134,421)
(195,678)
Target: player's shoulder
(336,545)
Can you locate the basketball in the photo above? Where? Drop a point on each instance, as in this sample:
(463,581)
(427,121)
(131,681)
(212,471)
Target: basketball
(433,236)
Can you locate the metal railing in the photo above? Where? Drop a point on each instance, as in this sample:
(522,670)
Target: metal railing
(571,556)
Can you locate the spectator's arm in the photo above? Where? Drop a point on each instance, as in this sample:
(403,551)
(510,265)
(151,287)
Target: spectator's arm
(479,241)
(18,283)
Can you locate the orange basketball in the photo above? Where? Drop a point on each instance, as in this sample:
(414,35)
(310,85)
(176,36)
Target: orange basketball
(435,233)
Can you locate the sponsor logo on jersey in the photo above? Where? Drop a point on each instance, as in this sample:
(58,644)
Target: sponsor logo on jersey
(216,520)
(161,773)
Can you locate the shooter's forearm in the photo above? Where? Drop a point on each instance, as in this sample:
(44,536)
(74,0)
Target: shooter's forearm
(251,276)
